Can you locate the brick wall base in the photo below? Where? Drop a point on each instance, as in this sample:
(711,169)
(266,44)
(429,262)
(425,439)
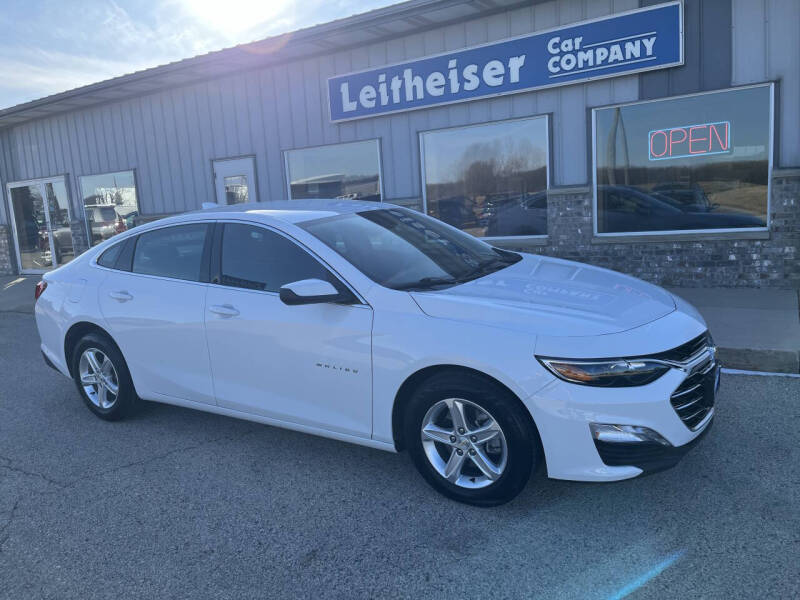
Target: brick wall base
(693,260)
(7,266)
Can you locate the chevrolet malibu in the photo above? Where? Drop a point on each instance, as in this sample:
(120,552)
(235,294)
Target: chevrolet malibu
(377,325)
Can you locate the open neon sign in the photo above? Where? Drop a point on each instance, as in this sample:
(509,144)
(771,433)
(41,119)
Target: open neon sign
(685,141)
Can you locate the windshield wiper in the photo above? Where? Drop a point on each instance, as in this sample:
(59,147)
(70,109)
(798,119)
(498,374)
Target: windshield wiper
(427,283)
(492,265)
(484,268)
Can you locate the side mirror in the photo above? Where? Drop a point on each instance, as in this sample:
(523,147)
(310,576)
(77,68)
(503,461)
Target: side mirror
(312,291)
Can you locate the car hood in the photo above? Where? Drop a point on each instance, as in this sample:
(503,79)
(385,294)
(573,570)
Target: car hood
(551,297)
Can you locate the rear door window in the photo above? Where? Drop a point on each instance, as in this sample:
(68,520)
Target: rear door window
(175,252)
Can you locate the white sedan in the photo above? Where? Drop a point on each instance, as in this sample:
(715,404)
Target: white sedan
(374,324)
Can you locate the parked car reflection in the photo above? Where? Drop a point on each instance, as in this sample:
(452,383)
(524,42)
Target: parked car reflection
(524,214)
(629,209)
(454,210)
(62,241)
(104,222)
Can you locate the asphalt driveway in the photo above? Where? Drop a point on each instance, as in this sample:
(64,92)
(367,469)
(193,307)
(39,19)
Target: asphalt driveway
(177,503)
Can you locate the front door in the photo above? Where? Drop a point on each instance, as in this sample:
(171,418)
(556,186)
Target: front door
(235,180)
(308,364)
(40,217)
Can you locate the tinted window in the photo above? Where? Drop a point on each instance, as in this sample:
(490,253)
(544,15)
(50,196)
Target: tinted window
(258,259)
(403,249)
(109,257)
(489,179)
(175,252)
(696,162)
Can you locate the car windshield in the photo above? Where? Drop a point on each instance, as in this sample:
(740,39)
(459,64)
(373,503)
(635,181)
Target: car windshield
(405,250)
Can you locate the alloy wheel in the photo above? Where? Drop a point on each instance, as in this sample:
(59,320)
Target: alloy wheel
(98,378)
(464,443)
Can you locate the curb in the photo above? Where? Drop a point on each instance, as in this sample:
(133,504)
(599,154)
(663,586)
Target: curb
(749,359)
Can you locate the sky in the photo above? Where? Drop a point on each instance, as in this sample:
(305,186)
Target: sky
(49,46)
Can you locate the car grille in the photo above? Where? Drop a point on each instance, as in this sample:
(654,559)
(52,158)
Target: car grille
(685,352)
(693,400)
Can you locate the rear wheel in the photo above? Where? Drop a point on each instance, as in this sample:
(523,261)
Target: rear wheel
(470,439)
(102,377)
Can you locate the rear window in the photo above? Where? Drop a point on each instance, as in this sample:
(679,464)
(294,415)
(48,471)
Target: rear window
(110,256)
(103,213)
(175,252)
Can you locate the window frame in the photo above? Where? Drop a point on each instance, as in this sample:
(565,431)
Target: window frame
(287,174)
(80,178)
(548,167)
(731,232)
(215,261)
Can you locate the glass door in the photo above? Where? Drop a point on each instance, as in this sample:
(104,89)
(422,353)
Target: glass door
(41,220)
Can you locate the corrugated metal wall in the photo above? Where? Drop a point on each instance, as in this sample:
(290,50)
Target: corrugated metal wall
(706,50)
(766,45)
(171,137)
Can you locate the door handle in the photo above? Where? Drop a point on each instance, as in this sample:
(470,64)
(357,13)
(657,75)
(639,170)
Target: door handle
(224,310)
(121,296)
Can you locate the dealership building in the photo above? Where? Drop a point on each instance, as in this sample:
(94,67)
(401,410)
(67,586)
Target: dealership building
(661,139)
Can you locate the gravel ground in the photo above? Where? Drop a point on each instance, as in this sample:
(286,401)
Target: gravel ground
(178,503)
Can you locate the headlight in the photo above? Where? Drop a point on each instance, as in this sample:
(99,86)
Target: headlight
(606,373)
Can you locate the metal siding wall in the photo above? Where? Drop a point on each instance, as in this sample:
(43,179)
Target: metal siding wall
(766,46)
(707,52)
(170,138)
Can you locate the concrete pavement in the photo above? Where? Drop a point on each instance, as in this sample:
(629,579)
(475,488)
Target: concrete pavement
(755,329)
(16,293)
(174,503)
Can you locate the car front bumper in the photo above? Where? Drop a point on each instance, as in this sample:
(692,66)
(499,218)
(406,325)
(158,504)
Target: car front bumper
(564,411)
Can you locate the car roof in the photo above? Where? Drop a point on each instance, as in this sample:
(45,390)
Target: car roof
(294,211)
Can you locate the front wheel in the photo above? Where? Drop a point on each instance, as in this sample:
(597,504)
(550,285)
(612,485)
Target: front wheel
(470,439)
(102,377)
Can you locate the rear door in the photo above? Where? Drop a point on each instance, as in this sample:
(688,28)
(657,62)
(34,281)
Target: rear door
(154,302)
(308,364)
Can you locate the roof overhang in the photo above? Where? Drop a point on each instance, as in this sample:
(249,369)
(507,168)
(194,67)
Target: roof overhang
(358,30)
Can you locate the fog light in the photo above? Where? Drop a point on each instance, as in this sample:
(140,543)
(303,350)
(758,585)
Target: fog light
(625,434)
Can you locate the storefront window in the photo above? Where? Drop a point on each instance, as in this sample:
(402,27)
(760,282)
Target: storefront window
(698,162)
(489,180)
(349,171)
(109,203)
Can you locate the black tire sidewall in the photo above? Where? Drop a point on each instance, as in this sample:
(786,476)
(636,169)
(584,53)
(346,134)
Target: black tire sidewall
(504,407)
(126,397)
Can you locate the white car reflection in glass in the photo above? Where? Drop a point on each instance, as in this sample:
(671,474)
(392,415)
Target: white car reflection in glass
(381,326)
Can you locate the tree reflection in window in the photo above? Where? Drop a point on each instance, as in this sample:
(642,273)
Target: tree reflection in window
(489,180)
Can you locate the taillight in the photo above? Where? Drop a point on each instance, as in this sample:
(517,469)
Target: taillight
(40,288)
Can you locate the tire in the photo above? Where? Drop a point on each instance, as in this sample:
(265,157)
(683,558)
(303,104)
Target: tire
(505,440)
(99,397)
